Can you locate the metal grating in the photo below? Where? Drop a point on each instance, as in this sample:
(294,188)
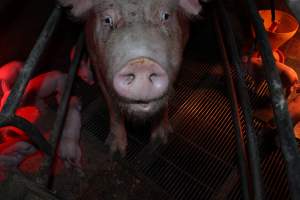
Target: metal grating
(200,154)
(200,157)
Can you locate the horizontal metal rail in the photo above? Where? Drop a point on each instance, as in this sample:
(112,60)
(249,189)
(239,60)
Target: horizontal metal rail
(283,122)
(253,153)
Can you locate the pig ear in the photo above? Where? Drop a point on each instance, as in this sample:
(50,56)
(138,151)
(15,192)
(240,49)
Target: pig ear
(85,71)
(78,7)
(192,7)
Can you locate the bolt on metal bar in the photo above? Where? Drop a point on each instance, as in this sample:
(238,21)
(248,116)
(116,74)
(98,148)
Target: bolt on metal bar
(253,153)
(46,167)
(241,147)
(17,91)
(283,122)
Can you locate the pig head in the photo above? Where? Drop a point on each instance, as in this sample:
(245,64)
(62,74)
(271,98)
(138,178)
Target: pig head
(136,48)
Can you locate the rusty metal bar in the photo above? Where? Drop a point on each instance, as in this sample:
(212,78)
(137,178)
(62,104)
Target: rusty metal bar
(252,147)
(241,147)
(45,171)
(288,143)
(17,91)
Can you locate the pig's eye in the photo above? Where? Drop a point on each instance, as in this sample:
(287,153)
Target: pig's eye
(108,21)
(165,16)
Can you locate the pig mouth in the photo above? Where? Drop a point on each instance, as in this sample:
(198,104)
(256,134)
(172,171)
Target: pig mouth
(142,108)
(144,105)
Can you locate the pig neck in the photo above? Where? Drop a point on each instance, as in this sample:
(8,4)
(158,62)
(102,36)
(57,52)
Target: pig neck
(185,25)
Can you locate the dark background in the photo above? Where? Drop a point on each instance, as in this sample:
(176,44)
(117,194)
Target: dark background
(21,23)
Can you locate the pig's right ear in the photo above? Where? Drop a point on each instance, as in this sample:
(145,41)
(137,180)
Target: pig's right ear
(79,8)
(191,7)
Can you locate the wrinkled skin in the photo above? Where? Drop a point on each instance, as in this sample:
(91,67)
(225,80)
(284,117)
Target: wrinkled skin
(136,48)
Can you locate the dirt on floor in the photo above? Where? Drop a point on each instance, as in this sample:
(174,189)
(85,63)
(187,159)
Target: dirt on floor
(100,178)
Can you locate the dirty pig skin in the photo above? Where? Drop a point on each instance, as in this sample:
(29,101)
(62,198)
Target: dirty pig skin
(136,48)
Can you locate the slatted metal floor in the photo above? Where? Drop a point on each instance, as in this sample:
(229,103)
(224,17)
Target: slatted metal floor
(201,154)
(199,161)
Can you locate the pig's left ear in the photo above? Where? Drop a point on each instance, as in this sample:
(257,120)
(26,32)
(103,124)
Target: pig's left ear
(192,7)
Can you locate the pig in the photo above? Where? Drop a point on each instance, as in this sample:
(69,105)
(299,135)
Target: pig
(8,74)
(37,90)
(254,65)
(69,149)
(50,83)
(136,48)
(294,103)
(14,149)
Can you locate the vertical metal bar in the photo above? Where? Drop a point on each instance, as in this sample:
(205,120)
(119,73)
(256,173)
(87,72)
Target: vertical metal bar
(294,5)
(46,167)
(288,144)
(272,2)
(241,147)
(17,91)
(253,153)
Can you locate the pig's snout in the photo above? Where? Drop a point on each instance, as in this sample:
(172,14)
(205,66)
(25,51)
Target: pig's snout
(141,80)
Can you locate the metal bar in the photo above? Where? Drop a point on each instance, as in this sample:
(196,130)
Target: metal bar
(241,148)
(33,133)
(252,146)
(272,2)
(17,91)
(288,144)
(45,170)
(294,5)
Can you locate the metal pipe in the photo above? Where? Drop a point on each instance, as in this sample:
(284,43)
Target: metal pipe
(241,147)
(33,133)
(272,2)
(294,5)
(288,144)
(17,91)
(45,170)
(252,146)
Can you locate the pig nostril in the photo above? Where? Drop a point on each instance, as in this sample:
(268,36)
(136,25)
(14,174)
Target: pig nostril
(129,78)
(152,77)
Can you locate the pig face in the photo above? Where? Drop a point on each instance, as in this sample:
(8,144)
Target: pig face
(136,47)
